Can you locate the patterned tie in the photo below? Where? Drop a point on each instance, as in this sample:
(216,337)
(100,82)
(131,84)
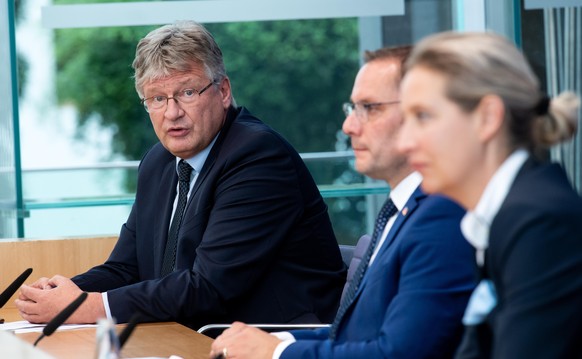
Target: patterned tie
(184,171)
(387,211)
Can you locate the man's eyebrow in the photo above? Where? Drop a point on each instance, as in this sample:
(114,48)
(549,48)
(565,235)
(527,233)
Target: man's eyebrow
(186,81)
(182,83)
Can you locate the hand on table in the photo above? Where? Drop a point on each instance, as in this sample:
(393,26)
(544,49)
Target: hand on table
(44,299)
(242,341)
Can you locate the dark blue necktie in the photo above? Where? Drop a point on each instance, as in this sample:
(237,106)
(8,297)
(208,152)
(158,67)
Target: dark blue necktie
(184,172)
(387,211)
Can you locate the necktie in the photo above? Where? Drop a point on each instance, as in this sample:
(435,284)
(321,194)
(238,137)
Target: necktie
(387,211)
(184,171)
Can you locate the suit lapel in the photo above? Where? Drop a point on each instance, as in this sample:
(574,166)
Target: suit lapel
(212,156)
(208,164)
(166,195)
(401,218)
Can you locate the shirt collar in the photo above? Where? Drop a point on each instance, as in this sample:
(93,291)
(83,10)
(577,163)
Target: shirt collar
(402,192)
(475,224)
(197,161)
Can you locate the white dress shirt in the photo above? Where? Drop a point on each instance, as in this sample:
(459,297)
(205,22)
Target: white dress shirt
(475,224)
(475,227)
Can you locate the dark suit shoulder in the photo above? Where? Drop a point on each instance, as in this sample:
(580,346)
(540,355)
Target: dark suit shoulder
(537,182)
(435,223)
(247,140)
(253,133)
(155,156)
(540,191)
(438,207)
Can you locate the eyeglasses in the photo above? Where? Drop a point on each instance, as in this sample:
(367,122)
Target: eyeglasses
(185,97)
(362,110)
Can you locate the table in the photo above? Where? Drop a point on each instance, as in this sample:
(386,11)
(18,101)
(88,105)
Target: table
(14,348)
(148,339)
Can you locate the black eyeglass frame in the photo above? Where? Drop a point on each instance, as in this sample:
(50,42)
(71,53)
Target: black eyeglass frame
(175,97)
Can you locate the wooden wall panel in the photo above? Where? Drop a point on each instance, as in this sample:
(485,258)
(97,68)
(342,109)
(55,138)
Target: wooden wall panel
(66,257)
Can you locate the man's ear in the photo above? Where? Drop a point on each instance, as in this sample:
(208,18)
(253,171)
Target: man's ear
(225,92)
(491,115)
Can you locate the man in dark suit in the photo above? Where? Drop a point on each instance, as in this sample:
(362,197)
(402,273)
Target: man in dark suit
(254,241)
(413,294)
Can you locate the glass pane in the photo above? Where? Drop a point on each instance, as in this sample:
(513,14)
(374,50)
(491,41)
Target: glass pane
(79,108)
(564,72)
(552,42)
(83,109)
(8,195)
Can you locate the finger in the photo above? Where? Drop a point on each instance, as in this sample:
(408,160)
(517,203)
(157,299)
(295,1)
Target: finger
(30,293)
(238,326)
(32,318)
(45,284)
(25,306)
(217,345)
(21,296)
(220,343)
(40,283)
(56,280)
(60,281)
(234,329)
(24,298)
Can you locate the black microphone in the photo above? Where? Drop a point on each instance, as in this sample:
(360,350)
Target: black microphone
(12,288)
(61,317)
(126,332)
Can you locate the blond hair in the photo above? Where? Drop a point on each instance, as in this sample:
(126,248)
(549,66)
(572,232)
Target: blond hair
(480,64)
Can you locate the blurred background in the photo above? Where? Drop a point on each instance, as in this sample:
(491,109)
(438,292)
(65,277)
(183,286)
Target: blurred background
(73,131)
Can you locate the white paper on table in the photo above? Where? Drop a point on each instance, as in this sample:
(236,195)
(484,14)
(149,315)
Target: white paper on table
(24,326)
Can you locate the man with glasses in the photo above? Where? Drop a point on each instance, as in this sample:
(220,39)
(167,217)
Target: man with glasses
(227,224)
(409,292)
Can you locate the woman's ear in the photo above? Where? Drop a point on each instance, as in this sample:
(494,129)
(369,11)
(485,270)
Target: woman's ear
(491,115)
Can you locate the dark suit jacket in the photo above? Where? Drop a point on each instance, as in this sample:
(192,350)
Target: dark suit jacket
(412,297)
(535,262)
(255,244)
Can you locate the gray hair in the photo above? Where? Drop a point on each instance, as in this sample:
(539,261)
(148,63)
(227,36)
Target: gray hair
(175,48)
(480,64)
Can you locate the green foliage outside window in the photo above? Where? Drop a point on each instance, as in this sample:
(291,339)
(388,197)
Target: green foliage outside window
(294,75)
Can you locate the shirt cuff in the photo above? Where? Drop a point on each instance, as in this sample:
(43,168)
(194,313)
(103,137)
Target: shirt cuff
(287,339)
(106,305)
(283,335)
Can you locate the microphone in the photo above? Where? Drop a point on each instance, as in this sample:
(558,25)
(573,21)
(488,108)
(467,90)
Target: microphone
(12,288)
(56,322)
(126,332)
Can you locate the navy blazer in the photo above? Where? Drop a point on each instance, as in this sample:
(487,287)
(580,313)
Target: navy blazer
(534,260)
(413,295)
(256,243)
